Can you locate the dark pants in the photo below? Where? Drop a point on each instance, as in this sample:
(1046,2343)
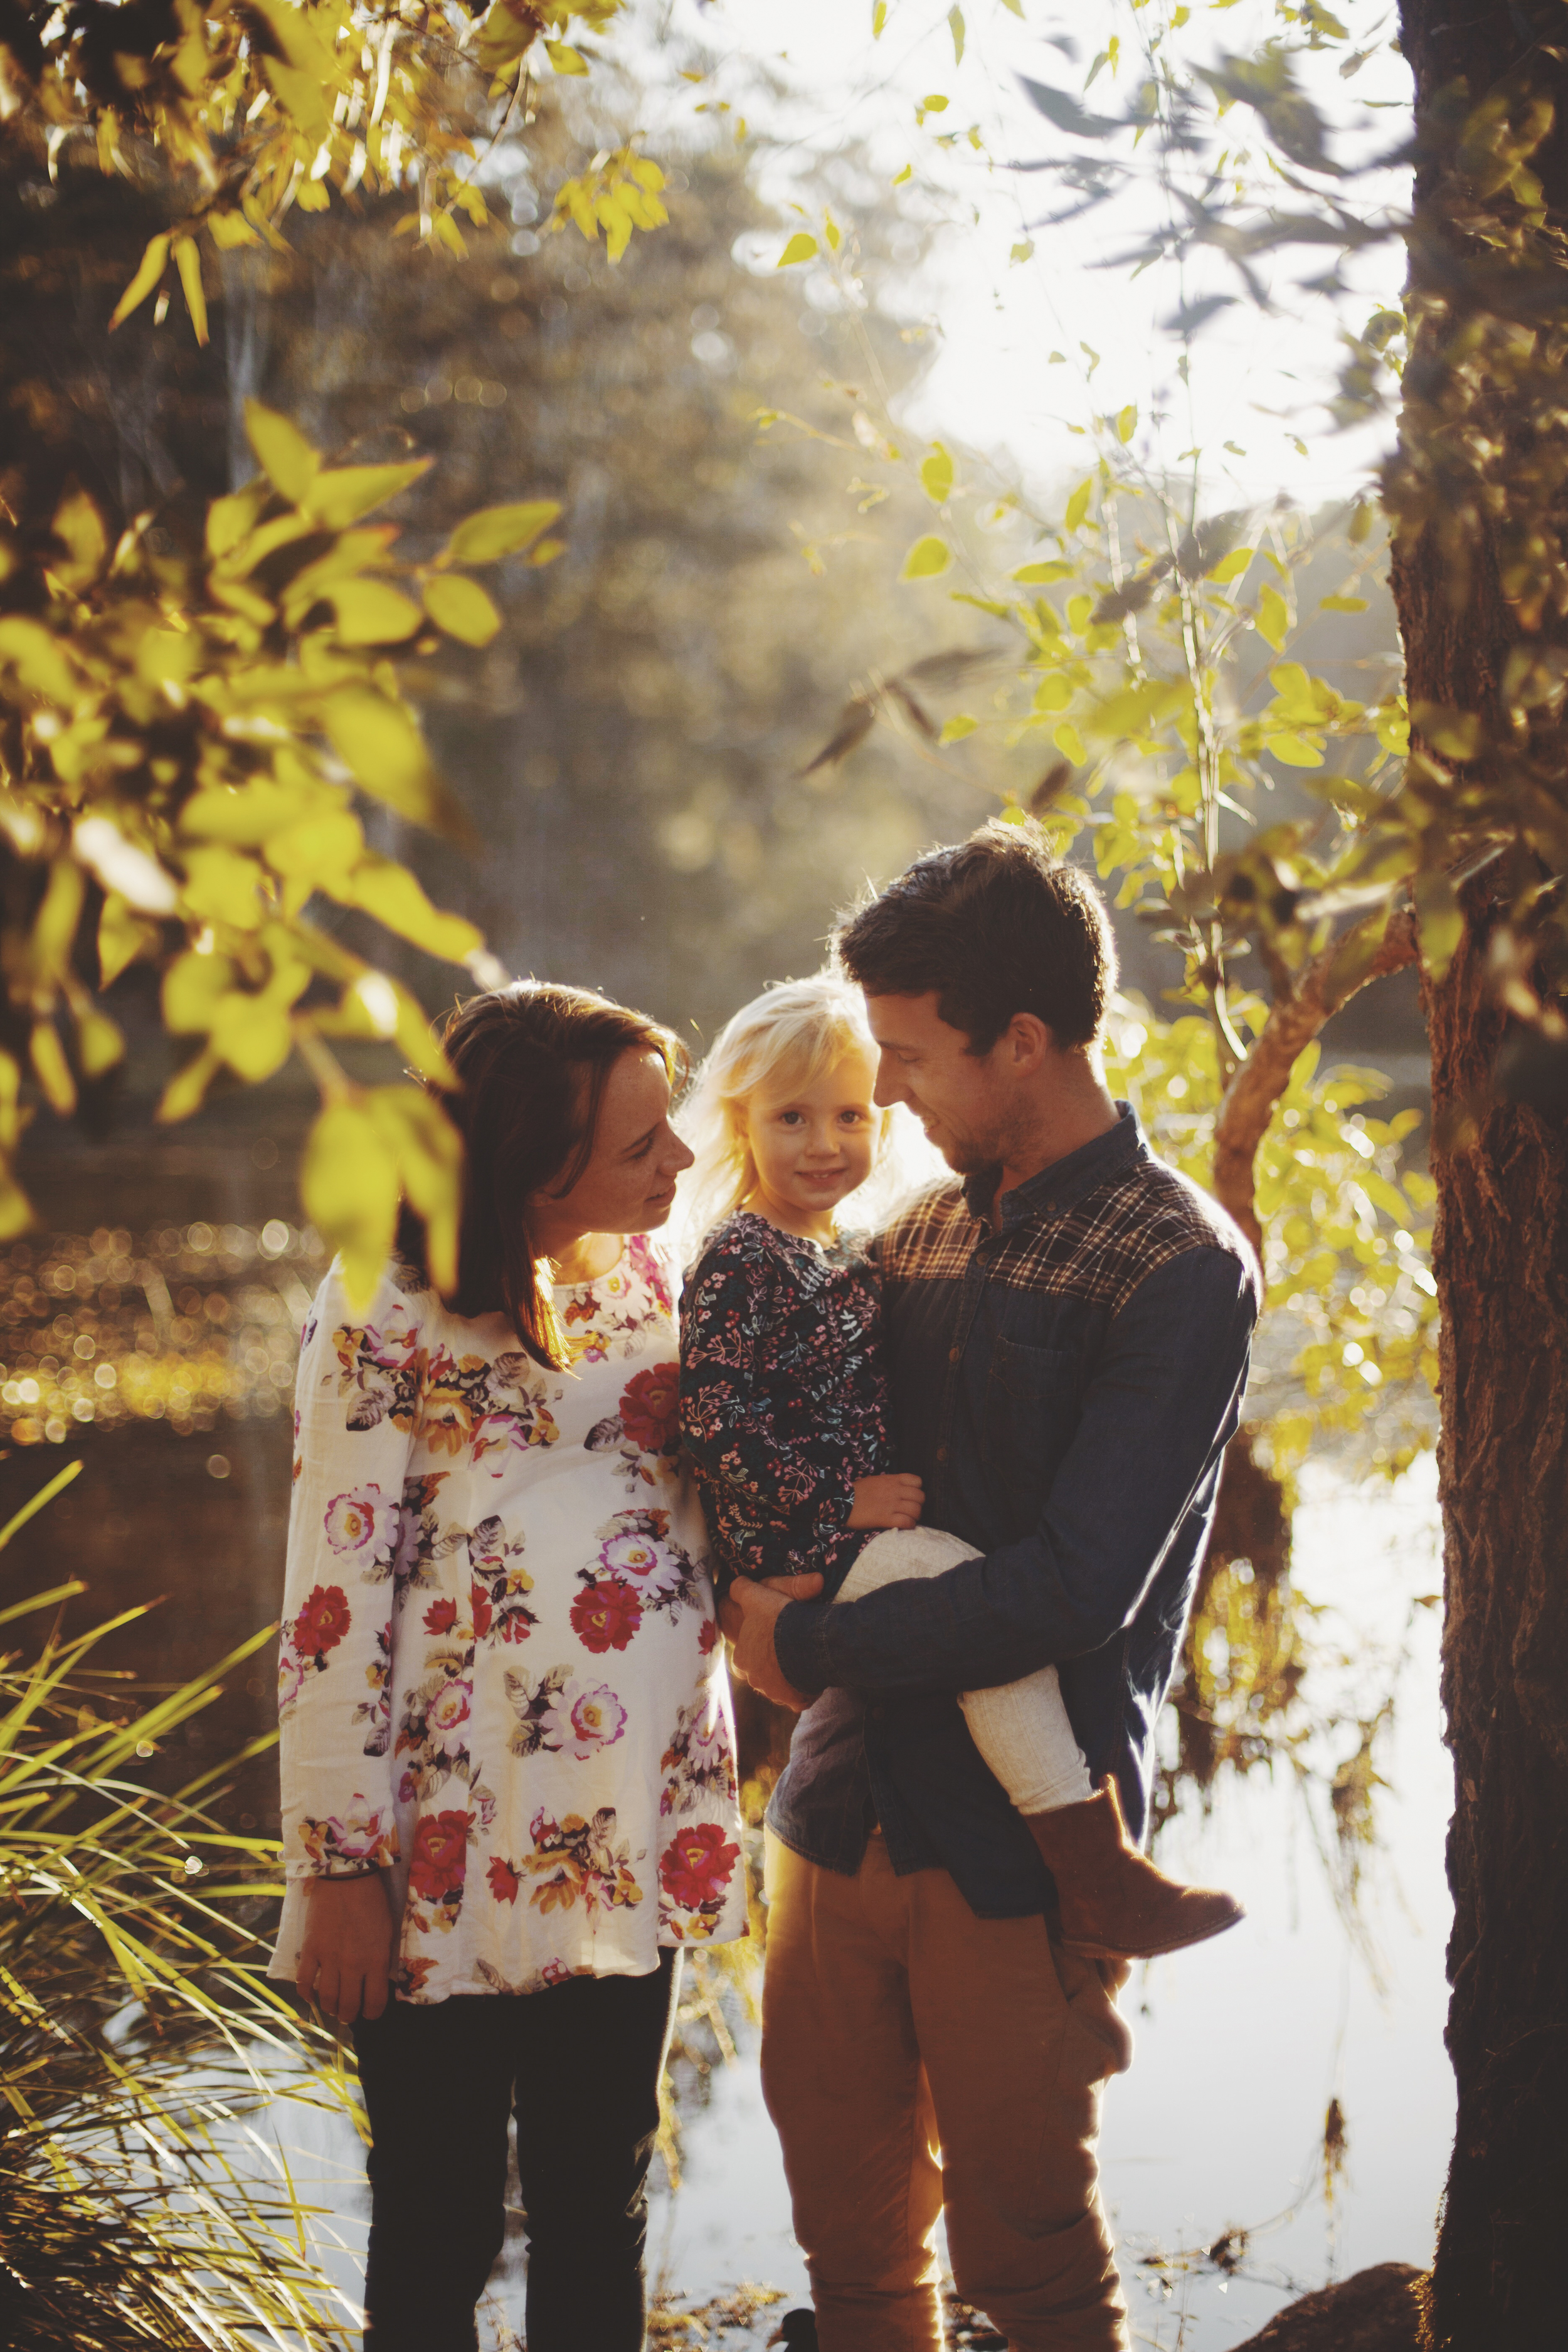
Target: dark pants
(580,2061)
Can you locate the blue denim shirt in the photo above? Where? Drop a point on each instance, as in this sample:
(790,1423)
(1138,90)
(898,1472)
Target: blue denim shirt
(1065,1383)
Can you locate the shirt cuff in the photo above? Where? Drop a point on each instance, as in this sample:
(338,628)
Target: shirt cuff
(800,1646)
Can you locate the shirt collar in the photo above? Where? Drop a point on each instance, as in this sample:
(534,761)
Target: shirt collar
(1056,1187)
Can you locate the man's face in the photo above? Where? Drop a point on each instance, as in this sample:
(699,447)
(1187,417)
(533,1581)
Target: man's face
(962,1099)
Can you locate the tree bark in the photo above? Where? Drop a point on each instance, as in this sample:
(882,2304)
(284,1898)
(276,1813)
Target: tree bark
(1500,1258)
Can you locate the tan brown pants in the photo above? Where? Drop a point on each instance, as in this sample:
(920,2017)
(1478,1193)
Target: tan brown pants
(915,2056)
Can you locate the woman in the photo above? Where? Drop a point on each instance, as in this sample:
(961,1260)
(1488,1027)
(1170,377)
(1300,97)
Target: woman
(509,1787)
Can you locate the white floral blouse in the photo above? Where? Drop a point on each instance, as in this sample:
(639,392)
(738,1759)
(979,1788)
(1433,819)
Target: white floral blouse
(500,1674)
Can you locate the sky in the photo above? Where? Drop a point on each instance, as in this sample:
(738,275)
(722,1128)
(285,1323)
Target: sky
(1259,379)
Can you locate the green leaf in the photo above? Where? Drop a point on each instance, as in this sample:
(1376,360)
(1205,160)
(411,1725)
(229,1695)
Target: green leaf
(284,455)
(343,494)
(1272,620)
(957,728)
(801,248)
(1126,424)
(1078,505)
(460,606)
(494,532)
(936,476)
(349,1189)
(926,559)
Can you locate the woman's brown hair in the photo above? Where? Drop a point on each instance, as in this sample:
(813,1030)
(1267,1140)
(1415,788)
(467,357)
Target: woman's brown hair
(531,1063)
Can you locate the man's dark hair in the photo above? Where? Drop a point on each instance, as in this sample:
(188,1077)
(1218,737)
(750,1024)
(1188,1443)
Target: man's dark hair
(997,926)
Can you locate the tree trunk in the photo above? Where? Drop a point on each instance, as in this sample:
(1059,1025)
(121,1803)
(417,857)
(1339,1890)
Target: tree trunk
(1501,1258)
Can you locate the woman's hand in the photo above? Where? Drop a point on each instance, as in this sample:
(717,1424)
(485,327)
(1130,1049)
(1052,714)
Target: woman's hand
(896,1499)
(346,1957)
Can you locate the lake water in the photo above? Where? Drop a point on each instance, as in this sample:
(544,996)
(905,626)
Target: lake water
(1219,2126)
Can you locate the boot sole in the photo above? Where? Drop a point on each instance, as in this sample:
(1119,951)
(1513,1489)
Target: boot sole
(1084,1951)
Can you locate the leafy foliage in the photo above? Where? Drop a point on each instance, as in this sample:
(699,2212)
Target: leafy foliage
(135,2023)
(181,748)
(251,111)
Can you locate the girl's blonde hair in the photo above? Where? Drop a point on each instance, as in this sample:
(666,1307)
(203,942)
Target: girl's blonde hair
(789,1037)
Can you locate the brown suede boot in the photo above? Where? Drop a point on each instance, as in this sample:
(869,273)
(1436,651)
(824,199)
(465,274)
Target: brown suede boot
(1115,1905)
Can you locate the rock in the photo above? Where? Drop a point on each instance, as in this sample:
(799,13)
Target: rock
(1378,2310)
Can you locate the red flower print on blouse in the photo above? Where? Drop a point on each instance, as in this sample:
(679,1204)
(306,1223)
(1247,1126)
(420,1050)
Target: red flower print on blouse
(440,1858)
(697,1866)
(606,1616)
(504,1880)
(708,1638)
(440,1617)
(480,1602)
(650,1402)
(323,1622)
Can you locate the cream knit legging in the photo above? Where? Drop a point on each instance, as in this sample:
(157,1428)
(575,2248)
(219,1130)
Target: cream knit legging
(1022,1729)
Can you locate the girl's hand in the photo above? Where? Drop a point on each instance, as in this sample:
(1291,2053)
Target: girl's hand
(346,1955)
(896,1499)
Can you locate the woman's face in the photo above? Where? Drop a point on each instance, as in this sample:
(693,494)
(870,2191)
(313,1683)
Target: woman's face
(628,1184)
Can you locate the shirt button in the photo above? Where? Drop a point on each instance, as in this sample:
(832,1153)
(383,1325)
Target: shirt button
(941,1454)
(953,1354)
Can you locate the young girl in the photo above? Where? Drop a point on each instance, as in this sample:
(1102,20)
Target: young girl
(783,1409)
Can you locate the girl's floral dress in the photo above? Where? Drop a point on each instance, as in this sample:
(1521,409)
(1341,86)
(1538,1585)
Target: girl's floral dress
(500,1674)
(783,1405)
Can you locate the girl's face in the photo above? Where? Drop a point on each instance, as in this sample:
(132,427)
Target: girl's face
(628,1184)
(813,1146)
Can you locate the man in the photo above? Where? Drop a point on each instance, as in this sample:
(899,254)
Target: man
(1066,1334)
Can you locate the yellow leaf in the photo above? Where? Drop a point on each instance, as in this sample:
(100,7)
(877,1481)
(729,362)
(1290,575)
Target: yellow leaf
(194,987)
(323,847)
(229,229)
(184,1093)
(78,526)
(149,270)
(341,494)
(1078,505)
(51,1069)
(1341,604)
(1272,619)
(188,262)
(1440,921)
(1069,742)
(1295,750)
(98,1044)
(1231,567)
(391,894)
(957,728)
(232,519)
(223,886)
(1126,424)
(1039,575)
(302,97)
(41,662)
(460,606)
(495,531)
(445,230)
(371,613)
(429,1156)
(936,476)
(253,1034)
(563,58)
(926,559)
(801,248)
(349,1187)
(380,743)
(286,457)
(122,936)
(546,552)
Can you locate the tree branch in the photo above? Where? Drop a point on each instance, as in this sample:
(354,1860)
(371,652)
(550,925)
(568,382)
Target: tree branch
(1330,980)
